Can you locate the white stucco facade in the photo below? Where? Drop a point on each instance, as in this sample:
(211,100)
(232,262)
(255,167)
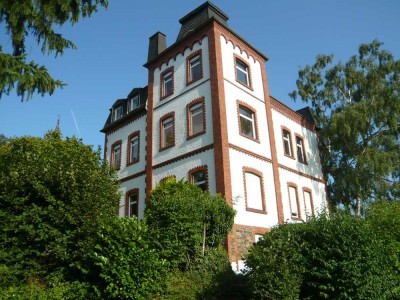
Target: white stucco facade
(240,149)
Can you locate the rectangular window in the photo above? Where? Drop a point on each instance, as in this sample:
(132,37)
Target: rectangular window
(294,202)
(287,143)
(133,102)
(254,191)
(117,113)
(195,68)
(167,134)
(167,82)
(199,179)
(242,72)
(132,203)
(134,149)
(116,156)
(196,118)
(198,176)
(301,155)
(247,122)
(308,203)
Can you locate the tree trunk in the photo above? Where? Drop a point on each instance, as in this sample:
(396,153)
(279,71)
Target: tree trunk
(204,238)
(358,207)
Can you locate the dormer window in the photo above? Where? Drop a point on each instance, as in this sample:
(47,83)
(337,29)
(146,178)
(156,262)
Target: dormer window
(117,113)
(133,103)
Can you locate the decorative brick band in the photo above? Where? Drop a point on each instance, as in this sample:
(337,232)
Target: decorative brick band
(186,155)
(133,176)
(245,151)
(301,174)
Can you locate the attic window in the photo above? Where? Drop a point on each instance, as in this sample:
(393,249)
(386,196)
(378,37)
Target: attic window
(133,103)
(117,113)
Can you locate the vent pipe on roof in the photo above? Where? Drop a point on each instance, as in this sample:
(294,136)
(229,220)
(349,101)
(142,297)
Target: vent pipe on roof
(157,44)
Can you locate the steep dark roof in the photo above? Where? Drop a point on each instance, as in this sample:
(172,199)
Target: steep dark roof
(307,114)
(142,92)
(200,16)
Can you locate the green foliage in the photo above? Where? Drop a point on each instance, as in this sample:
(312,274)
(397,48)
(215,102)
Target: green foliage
(384,218)
(127,265)
(209,277)
(340,257)
(357,108)
(54,195)
(37,19)
(178,213)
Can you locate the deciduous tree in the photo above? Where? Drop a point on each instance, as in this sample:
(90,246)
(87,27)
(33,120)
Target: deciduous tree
(357,108)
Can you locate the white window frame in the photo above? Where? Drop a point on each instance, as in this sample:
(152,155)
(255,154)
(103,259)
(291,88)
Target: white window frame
(132,141)
(194,62)
(252,120)
(195,110)
(117,113)
(239,69)
(134,102)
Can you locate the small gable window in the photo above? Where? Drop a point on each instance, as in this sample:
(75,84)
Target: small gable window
(133,103)
(117,113)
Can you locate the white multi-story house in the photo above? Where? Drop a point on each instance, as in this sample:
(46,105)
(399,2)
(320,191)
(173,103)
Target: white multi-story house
(206,116)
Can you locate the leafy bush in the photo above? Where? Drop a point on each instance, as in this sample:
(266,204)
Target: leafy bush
(179,214)
(127,265)
(340,257)
(54,195)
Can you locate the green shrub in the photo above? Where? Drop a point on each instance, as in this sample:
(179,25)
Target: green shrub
(54,195)
(340,257)
(179,214)
(126,263)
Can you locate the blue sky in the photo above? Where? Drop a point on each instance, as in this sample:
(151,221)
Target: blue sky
(112,48)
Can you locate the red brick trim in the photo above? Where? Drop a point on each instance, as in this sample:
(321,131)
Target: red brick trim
(294,185)
(254,111)
(220,128)
(189,80)
(179,49)
(261,176)
(180,157)
(162,75)
(238,58)
(188,119)
(149,135)
(245,151)
(112,158)
(127,194)
(301,173)
(133,176)
(197,169)
(272,142)
(291,114)
(298,136)
(307,190)
(284,128)
(128,157)
(161,126)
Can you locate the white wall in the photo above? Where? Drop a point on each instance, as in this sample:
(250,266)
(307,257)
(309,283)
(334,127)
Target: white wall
(181,168)
(317,191)
(239,160)
(313,166)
